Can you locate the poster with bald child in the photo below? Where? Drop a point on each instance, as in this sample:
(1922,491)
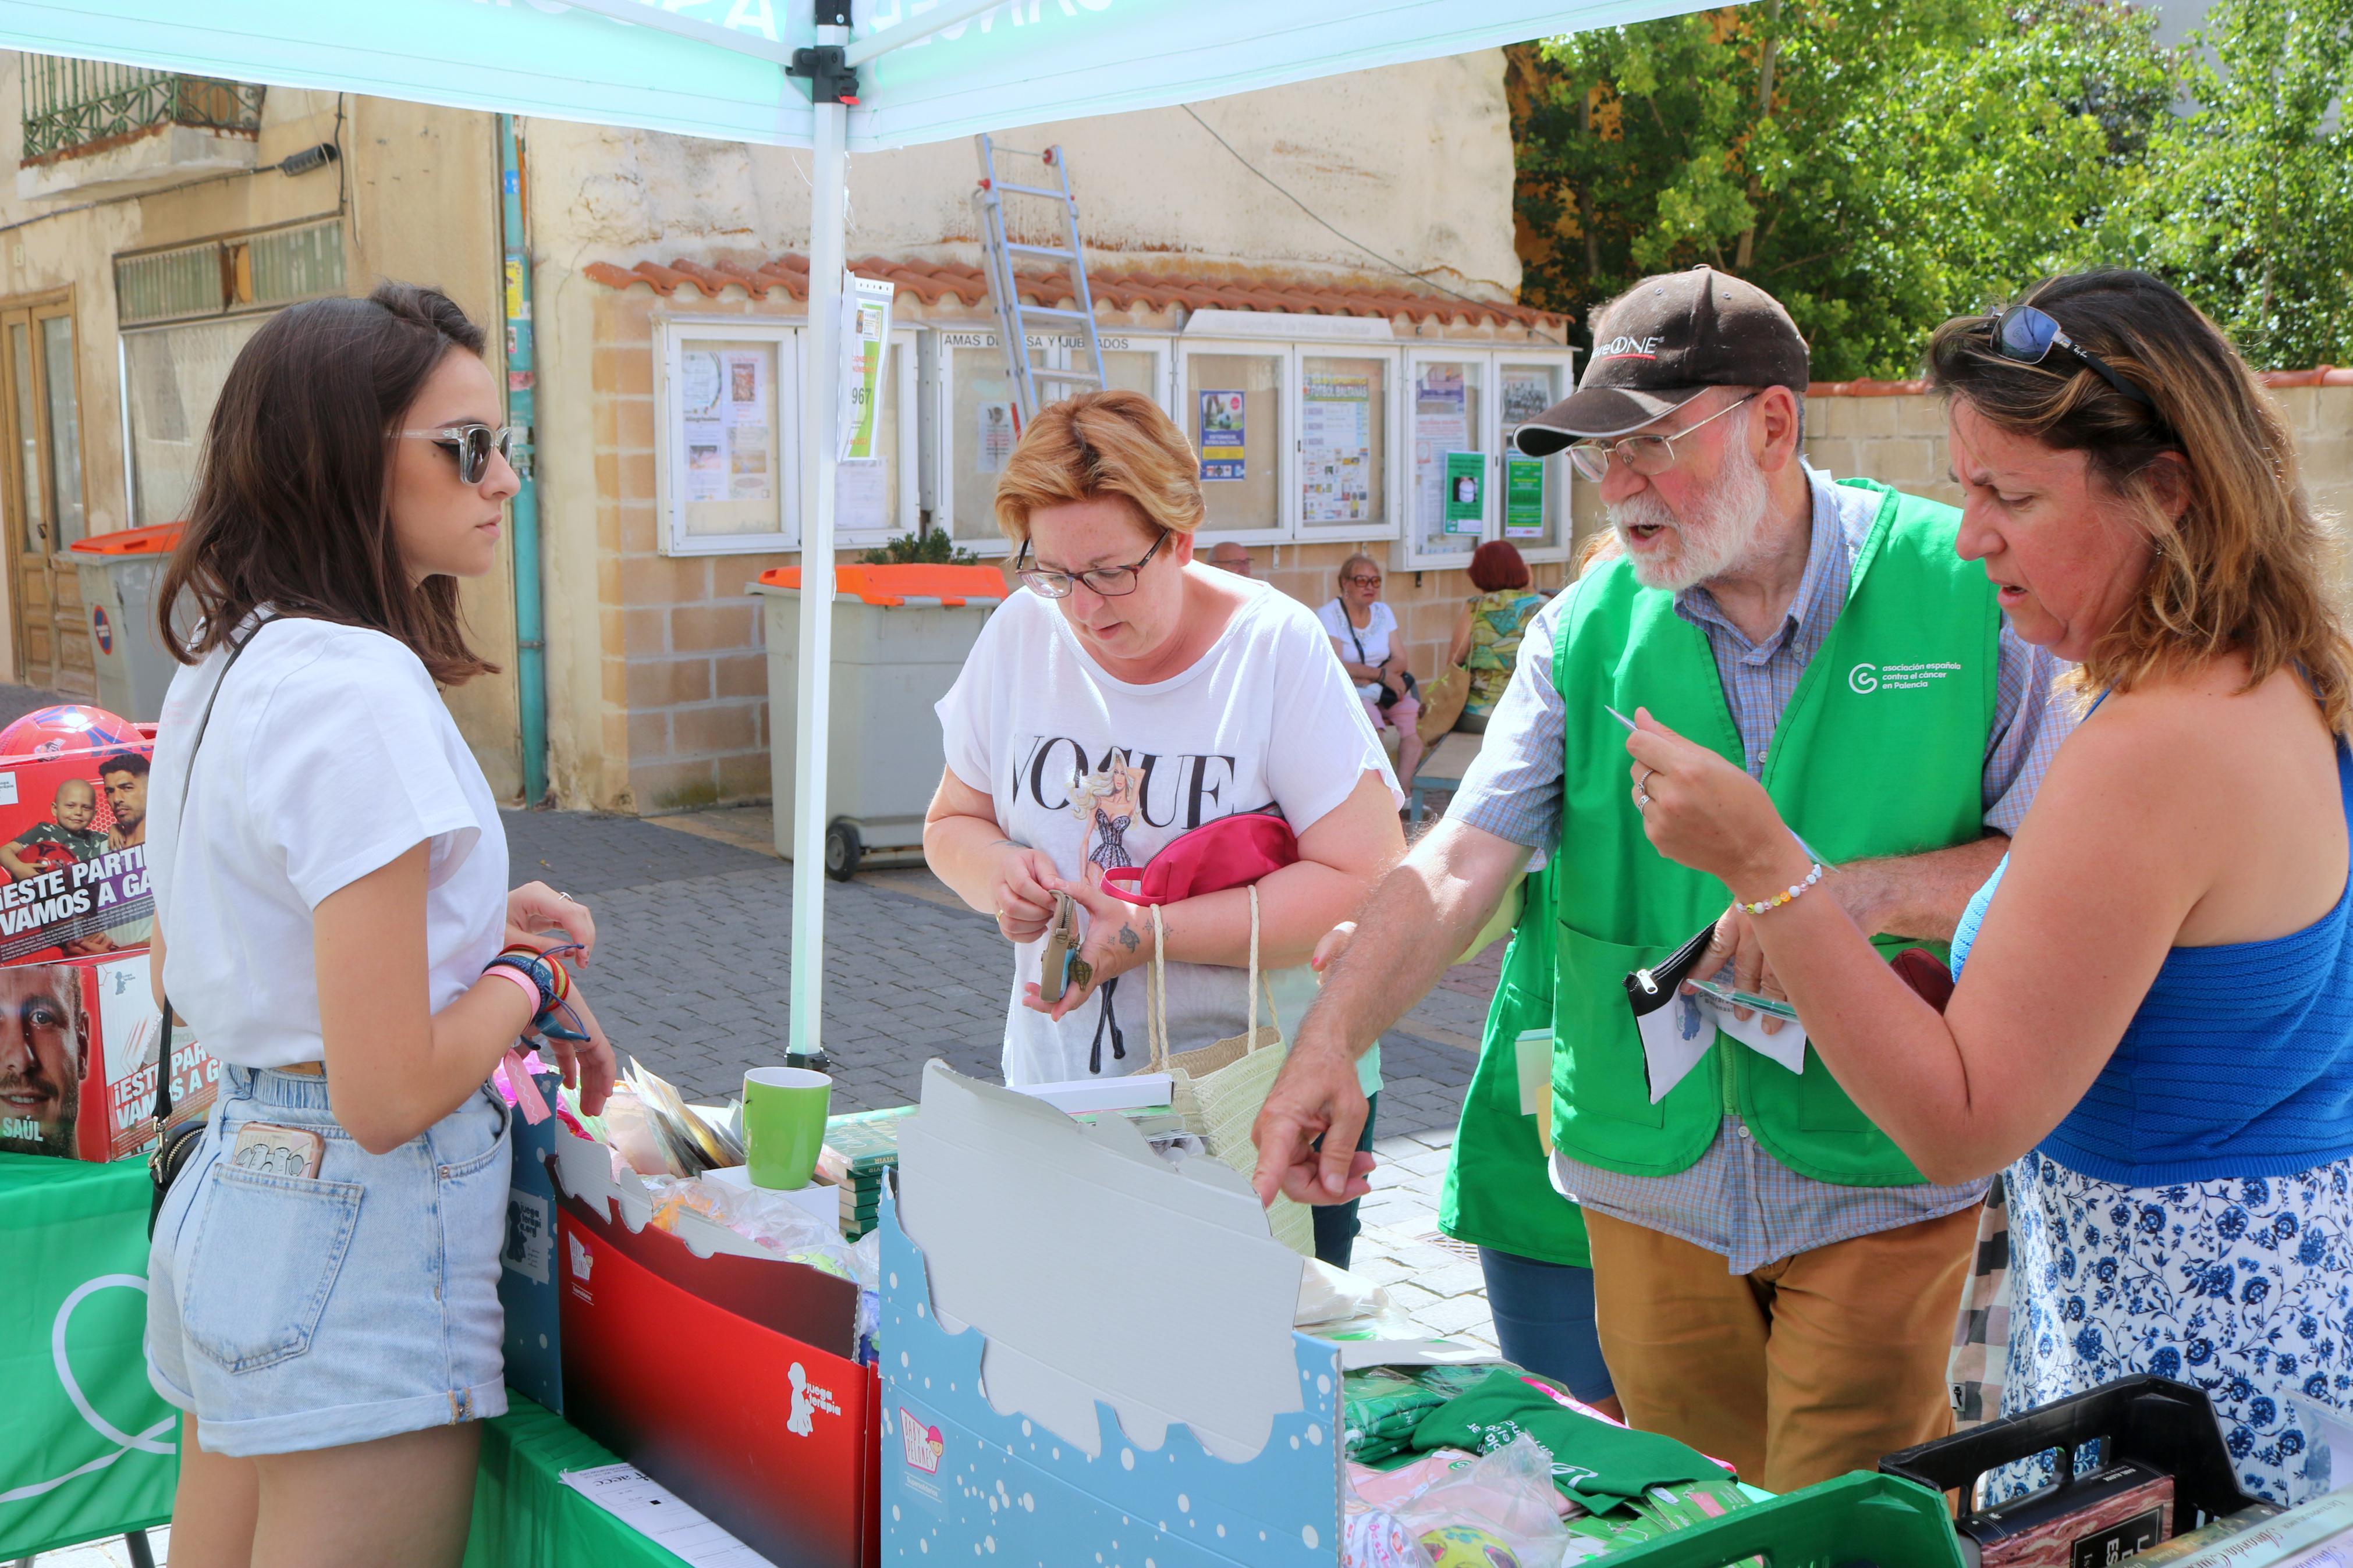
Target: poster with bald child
(73,844)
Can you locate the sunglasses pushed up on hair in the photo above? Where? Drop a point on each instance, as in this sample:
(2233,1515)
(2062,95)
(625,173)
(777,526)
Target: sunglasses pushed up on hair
(2026,336)
(470,446)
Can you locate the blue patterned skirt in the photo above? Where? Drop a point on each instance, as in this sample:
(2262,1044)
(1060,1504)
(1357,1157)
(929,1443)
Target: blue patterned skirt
(2242,1288)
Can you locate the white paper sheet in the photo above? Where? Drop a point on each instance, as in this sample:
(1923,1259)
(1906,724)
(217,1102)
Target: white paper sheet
(654,1512)
(1676,1035)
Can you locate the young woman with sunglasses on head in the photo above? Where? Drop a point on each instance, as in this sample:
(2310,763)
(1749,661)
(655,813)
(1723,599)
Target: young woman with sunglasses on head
(333,922)
(1130,695)
(2153,1025)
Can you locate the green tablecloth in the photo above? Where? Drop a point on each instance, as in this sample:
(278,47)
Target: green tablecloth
(87,1448)
(525,1517)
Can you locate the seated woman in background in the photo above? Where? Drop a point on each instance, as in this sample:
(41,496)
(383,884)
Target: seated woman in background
(1487,633)
(2153,1027)
(1365,635)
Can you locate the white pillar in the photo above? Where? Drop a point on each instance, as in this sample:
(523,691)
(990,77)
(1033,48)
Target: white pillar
(827,218)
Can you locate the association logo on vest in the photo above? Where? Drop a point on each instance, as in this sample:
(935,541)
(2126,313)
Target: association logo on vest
(1866,677)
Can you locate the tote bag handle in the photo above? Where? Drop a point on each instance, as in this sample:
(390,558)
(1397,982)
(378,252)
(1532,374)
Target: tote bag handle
(1155,990)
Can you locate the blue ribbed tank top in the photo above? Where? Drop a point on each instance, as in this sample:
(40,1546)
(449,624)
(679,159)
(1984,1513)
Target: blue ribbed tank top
(2239,1063)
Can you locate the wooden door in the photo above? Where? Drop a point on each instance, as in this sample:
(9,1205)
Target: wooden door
(42,496)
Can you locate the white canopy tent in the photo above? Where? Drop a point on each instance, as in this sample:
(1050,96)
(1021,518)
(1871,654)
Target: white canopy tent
(873,74)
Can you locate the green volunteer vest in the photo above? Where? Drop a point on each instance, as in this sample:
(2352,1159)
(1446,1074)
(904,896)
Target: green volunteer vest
(1881,752)
(1498,1189)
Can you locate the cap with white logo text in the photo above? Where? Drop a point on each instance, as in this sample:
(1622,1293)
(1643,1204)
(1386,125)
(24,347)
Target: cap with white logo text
(1662,343)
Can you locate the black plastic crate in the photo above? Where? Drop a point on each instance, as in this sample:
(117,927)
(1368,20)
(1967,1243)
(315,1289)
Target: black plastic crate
(2145,1420)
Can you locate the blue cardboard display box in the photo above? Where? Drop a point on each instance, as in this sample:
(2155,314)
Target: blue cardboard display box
(1090,1359)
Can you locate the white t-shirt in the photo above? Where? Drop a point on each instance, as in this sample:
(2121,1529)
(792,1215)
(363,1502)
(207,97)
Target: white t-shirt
(1101,773)
(329,755)
(1374,639)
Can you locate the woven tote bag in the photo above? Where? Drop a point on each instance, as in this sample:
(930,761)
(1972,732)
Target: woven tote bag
(1219,1088)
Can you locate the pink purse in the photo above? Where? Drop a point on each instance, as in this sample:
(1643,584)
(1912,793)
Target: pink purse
(1232,852)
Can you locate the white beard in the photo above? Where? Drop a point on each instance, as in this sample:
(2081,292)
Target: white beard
(1719,539)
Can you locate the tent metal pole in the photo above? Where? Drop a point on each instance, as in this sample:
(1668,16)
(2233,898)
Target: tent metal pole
(828,218)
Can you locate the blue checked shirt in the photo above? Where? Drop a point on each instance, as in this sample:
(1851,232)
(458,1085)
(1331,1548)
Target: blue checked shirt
(1738,1200)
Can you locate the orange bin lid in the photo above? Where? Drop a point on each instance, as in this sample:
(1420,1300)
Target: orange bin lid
(158,539)
(894,585)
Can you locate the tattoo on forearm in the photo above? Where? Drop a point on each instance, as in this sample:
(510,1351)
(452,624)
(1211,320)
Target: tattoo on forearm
(1127,937)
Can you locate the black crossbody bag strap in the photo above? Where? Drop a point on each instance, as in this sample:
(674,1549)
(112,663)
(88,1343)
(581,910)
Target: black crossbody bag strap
(162,1166)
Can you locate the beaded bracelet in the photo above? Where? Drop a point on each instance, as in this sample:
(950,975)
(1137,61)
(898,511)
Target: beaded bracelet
(1764,905)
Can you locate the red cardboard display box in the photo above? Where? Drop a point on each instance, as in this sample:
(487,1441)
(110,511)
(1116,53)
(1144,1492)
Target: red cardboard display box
(73,847)
(730,1379)
(78,1047)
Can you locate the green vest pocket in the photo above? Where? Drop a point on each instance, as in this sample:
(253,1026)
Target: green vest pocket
(1823,1106)
(1598,1058)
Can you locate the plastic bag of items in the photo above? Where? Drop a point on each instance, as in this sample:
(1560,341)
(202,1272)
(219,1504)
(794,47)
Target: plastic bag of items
(1497,1511)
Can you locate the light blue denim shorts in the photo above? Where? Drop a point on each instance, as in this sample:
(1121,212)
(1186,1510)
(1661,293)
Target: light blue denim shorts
(289,1313)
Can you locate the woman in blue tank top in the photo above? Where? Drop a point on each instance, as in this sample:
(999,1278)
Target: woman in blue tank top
(2153,1026)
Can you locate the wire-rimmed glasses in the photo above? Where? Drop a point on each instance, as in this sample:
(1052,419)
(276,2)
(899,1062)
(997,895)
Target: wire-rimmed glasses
(1644,454)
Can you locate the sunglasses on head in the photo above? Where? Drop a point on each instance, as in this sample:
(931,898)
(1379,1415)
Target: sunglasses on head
(470,445)
(2026,336)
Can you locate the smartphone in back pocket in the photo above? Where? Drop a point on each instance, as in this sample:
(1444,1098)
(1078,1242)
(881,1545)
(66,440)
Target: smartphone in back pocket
(269,1149)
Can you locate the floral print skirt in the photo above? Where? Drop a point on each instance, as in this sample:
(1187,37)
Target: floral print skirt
(2242,1288)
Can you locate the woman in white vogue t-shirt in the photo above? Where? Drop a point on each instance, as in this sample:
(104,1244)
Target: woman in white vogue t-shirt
(1128,697)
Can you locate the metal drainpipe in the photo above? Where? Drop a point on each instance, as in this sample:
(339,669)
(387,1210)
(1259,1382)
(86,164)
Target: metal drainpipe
(522,399)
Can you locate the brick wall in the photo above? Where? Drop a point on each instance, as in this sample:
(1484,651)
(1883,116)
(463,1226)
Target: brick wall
(685,678)
(1895,432)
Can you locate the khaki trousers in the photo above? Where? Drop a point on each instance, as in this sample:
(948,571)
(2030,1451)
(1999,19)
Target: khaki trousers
(1808,1368)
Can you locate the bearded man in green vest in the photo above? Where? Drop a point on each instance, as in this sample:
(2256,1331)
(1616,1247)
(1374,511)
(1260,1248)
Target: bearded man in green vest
(1773,1282)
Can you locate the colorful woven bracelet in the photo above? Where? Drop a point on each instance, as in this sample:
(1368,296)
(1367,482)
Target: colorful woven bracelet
(556,1016)
(1764,905)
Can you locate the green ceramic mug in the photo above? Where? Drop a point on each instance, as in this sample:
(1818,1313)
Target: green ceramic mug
(784,1124)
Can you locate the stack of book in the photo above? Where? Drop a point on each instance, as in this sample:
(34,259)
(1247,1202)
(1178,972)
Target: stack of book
(868,1144)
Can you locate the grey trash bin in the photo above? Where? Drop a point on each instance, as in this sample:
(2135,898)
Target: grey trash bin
(120,572)
(900,637)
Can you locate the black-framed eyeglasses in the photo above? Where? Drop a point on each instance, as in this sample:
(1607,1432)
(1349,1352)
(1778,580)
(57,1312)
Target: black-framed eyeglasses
(2026,336)
(1111,582)
(1646,455)
(471,445)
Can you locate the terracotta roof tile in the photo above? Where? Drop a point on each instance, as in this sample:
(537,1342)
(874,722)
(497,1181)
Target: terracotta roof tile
(935,282)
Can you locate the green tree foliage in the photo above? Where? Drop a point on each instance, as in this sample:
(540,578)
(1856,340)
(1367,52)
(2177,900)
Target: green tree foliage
(1876,165)
(2245,202)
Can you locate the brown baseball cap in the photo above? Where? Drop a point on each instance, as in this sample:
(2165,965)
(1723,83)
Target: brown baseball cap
(1662,343)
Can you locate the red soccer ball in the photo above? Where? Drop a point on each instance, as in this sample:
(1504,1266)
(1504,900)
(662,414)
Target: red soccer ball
(69,727)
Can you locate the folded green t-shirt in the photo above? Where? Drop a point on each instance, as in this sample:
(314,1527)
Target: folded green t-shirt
(1380,1407)
(1597,1463)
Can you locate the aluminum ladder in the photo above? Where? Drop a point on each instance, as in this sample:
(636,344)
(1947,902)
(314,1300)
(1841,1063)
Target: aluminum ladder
(1014,318)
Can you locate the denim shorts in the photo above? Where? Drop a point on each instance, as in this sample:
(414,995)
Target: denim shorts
(289,1313)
